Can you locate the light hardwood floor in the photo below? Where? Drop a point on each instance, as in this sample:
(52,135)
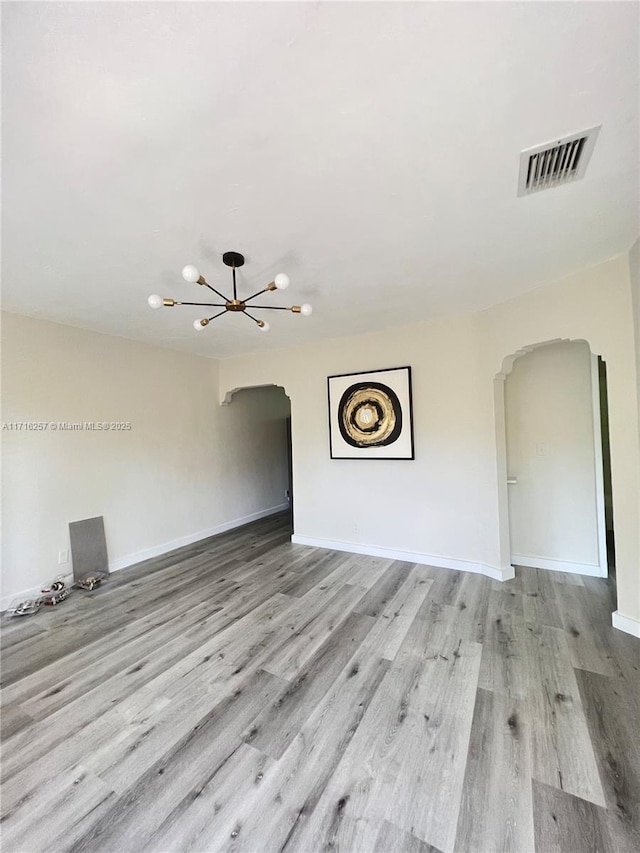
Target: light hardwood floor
(247,694)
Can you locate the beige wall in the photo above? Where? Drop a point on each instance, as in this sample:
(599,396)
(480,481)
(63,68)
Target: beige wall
(594,306)
(188,467)
(634,269)
(401,505)
(634,264)
(449,505)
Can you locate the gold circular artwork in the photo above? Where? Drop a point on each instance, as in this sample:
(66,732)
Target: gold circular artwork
(369,415)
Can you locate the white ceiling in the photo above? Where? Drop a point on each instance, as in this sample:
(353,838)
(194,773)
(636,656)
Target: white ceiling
(369,150)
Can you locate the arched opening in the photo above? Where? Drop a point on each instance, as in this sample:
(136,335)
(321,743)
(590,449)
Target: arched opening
(554,475)
(261,423)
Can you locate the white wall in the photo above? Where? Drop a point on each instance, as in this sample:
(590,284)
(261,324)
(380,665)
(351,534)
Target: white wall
(595,306)
(551,452)
(634,269)
(399,505)
(634,264)
(186,469)
(449,506)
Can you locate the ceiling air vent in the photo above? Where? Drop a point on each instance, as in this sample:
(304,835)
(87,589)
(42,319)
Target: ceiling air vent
(555,163)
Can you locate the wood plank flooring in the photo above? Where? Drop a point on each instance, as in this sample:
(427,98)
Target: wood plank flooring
(248,694)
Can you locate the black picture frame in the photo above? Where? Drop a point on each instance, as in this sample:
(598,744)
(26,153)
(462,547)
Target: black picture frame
(371,414)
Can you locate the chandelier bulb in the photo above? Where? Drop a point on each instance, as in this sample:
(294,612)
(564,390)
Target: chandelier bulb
(281,281)
(155,301)
(306,310)
(199,325)
(190,273)
(263,326)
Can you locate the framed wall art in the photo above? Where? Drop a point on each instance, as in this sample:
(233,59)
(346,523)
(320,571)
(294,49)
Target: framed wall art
(370,415)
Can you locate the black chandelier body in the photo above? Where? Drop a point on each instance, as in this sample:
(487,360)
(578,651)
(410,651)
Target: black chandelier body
(234,260)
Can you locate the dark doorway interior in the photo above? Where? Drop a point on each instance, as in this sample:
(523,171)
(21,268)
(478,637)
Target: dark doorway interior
(606,468)
(290,469)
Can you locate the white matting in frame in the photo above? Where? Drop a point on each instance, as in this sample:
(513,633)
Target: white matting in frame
(370,414)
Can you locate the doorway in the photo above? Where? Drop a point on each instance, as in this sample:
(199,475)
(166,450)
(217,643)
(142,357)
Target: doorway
(259,419)
(556,457)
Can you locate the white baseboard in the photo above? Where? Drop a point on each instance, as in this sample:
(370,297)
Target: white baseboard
(626,624)
(155,551)
(494,572)
(558,565)
(173,544)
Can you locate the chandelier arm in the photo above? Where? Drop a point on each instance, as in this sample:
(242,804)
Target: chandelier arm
(217,292)
(270,307)
(251,317)
(259,293)
(219,314)
(206,304)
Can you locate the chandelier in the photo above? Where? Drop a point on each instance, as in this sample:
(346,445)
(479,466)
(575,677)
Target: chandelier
(233,260)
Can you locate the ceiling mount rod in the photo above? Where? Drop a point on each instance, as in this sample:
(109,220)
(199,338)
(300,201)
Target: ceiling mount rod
(233,260)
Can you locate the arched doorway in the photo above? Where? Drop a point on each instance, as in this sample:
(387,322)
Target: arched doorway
(263,428)
(553,458)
